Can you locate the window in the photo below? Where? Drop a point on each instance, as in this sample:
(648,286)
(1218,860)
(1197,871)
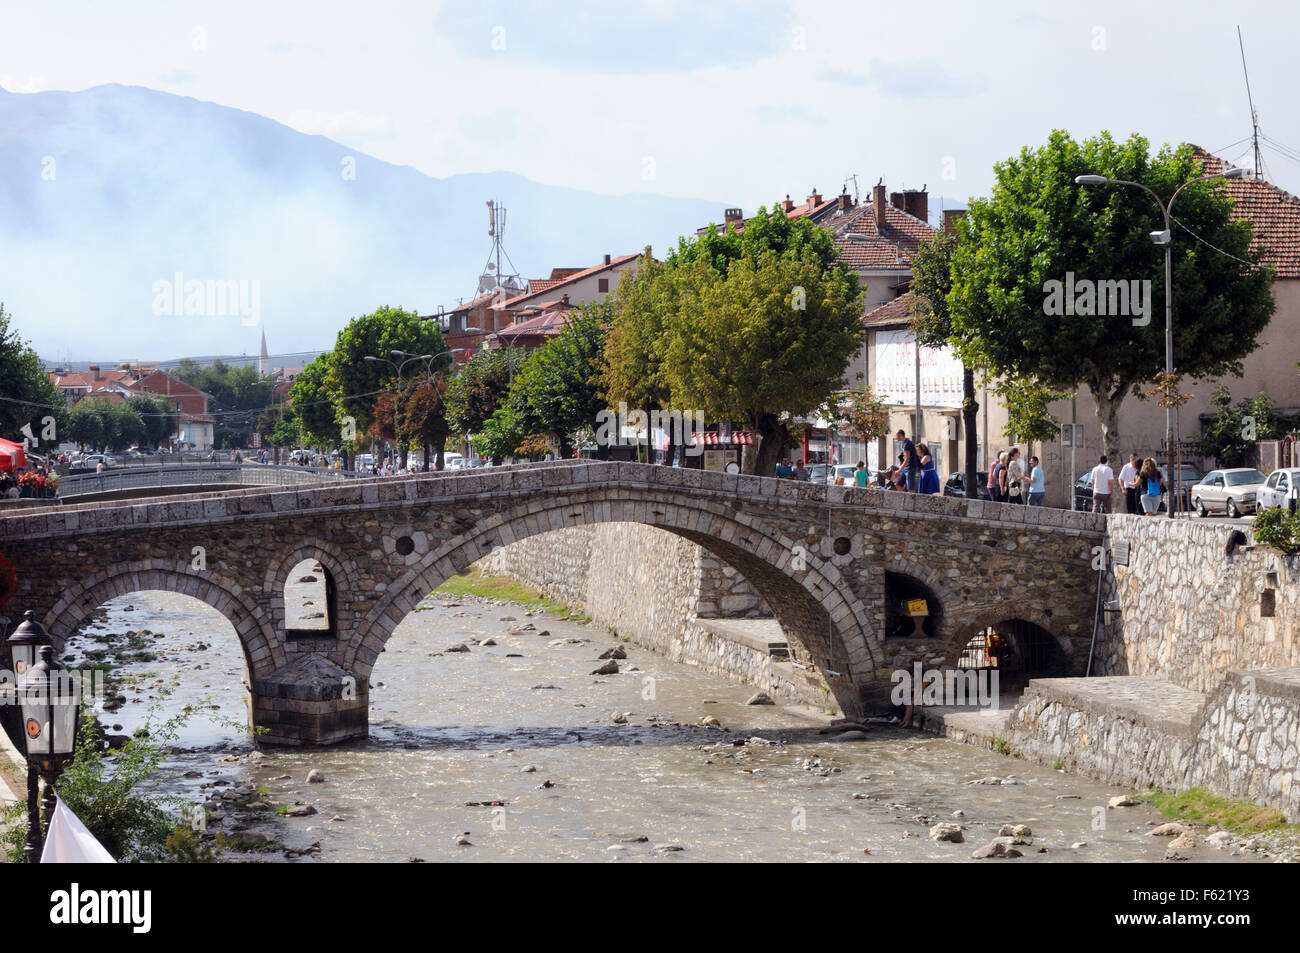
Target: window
(602,284)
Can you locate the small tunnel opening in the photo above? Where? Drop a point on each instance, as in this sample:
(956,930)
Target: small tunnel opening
(911,608)
(1017,650)
(309,600)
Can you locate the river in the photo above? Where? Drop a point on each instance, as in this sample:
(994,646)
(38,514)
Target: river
(523,723)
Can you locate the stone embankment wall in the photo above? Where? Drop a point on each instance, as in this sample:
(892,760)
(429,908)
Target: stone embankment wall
(658,590)
(1241,741)
(1186,617)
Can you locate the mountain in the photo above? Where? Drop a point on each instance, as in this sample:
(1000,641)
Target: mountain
(108,193)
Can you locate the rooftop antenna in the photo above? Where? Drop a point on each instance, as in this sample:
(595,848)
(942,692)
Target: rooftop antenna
(854,179)
(492,276)
(1254,117)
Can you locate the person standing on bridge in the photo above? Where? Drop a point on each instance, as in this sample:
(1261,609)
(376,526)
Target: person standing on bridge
(1037,483)
(911,463)
(1128,479)
(1103,484)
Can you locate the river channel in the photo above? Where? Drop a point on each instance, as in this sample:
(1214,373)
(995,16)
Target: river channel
(524,724)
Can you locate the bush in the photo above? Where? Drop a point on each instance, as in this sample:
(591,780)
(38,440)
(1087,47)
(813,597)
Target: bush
(1278,528)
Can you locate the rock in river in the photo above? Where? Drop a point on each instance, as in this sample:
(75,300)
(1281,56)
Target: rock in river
(609,668)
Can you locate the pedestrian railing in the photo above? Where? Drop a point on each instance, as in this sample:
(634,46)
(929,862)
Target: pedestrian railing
(208,474)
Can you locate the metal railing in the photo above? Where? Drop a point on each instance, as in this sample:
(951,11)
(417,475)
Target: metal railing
(208,474)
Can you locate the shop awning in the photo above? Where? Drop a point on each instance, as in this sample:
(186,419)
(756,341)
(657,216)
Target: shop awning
(12,456)
(709,438)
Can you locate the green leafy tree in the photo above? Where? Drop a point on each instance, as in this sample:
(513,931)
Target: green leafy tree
(1234,431)
(1039,226)
(87,423)
(760,325)
(558,391)
(500,435)
(158,416)
(355,382)
(314,402)
(99,422)
(239,395)
(30,395)
(480,386)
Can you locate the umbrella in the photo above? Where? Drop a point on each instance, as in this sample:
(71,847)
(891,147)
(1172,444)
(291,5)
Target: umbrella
(12,456)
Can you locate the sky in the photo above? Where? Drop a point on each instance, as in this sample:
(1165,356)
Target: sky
(742,102)
(689,98)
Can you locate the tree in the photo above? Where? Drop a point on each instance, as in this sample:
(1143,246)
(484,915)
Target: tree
(424,419)
(87,423)
(99,422)
(1233,433)
(932,325)
(500,436)
(239,395)
(31,396)
(313,402)
(355,382)
(760,324)
(158,416)
(479,387)
(1039,227)
(557,391)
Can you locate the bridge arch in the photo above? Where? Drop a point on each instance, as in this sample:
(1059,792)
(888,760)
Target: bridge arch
(263,653)
(808,596)
(343,617)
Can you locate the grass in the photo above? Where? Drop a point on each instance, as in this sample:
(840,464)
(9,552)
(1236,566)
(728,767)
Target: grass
(476,583)
(1001,747)
(1202,807)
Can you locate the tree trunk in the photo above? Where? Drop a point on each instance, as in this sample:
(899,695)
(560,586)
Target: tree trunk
(774,435)
(438,460)
(1108,404)
(969,410)
(426,457)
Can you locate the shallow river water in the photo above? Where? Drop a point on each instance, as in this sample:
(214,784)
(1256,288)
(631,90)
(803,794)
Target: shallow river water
(451,728)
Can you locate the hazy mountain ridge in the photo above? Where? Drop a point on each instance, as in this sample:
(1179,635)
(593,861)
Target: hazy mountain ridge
(106,191)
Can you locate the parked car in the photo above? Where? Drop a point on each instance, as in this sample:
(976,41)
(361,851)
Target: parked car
(818,472)
(843,470)
(956,486)
(1234,491)
(91,461)
(1191,475)
(1277,491)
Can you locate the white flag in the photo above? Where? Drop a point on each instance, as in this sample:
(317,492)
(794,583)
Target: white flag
(68,841)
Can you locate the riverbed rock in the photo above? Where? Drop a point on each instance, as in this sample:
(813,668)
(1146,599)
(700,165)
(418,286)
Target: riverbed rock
(488,642)
(315,776)
(947,832)
(616,652)
(1221,840)
(308,579)
(618,718)
(528,769)
(996,849)
(760,698)
(669,848)
(300,810)
(850,736)
(462,841)
(458,647)
(709,721)
(1123,800)
(609,668)
(1172,829)
(506,618)
(1184,841)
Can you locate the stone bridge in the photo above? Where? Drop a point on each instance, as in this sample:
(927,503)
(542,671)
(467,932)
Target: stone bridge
(823,557)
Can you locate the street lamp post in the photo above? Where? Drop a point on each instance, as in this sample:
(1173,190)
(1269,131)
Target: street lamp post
(397,404)
(43,721)
(1165,238)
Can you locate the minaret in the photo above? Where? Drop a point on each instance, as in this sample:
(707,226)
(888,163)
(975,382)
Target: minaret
(262,361)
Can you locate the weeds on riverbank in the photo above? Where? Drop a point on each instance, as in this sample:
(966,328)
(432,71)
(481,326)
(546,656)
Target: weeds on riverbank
(476,583)
(1202,807)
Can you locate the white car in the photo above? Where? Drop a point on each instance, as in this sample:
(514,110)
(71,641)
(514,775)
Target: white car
(1234,491)
(1280,490)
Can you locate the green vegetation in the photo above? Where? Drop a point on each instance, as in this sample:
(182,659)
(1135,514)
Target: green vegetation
(238,396)
(1038,226)
(1278,528)
(1001,747)
(32,395)
(1202,807)
(476,583)
(1235,431)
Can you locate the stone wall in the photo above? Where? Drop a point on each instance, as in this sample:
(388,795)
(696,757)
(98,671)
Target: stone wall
(1184,616)
(1241,741)
(659,590)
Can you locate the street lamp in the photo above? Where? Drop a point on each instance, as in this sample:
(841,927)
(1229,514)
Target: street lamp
(409,357)
(1165,238)
(43,722)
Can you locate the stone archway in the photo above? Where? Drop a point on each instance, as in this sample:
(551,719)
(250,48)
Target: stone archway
(807,595)
(263,653)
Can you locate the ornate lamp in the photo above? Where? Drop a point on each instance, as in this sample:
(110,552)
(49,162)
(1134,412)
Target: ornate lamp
(51,715)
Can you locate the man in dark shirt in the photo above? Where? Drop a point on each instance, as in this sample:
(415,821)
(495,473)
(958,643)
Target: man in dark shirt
(911,463)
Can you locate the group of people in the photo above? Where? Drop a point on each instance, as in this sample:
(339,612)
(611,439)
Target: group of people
(1139,480)
(915,472)
(1010,482)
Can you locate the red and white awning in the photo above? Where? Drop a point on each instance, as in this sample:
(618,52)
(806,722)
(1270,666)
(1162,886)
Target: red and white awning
(709,438)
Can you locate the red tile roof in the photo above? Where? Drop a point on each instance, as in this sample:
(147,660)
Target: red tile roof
(888,248)
(1274,213)
(511,304)
(895,312)
(542,284)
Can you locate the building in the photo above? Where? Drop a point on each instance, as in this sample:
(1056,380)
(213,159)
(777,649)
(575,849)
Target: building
(194,430)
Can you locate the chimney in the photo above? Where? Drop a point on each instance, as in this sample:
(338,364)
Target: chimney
(844,202)
(950,216)
(916,202)
(896,199)
(878,206)
(734,216)
(94,369)
(815,198)
(607,259)
(787,206)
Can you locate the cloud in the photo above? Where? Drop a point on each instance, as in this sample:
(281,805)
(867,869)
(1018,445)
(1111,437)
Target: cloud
(917,80)
(500,127)
(629,37)
(350,124)
(32,84)
(789,116)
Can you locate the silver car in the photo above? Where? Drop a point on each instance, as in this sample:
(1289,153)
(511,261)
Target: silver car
(1234,491)
(1280,490)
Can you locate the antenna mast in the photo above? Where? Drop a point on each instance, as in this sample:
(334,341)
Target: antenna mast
(1254,118)
(492,276)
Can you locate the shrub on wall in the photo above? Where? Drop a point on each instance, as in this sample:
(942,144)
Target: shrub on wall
(1279,529)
